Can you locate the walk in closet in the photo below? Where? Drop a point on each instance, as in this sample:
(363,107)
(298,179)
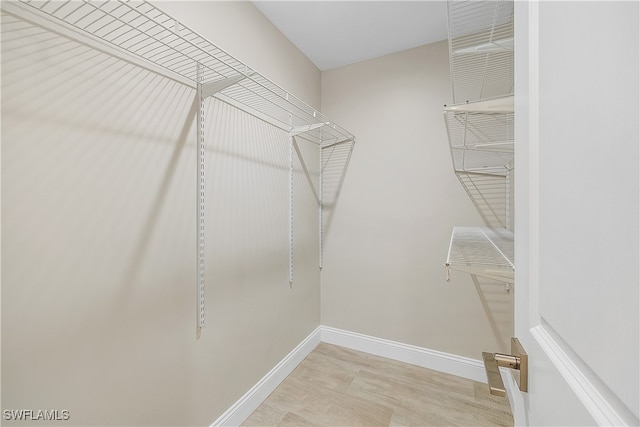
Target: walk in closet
(180,230)
(191,236)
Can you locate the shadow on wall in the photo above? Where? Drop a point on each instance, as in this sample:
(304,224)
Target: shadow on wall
(497,308)
(98,230)
(335,161)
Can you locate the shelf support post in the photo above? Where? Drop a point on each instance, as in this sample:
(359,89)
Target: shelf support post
(320,205)
(291,148)
(200,203)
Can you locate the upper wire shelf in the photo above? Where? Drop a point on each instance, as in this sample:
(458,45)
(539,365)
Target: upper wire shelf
(140,29)
(481,49)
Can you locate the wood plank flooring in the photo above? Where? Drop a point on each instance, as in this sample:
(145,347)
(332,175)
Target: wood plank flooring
(335,386)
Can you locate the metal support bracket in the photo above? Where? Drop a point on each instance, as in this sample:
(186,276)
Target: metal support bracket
(320,208)
(519,361)
(336,142)
(214,87)
(291,203)
(305,128)
(200,203)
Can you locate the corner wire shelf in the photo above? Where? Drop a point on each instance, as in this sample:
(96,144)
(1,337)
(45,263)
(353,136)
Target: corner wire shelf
(141,33)
(480,129)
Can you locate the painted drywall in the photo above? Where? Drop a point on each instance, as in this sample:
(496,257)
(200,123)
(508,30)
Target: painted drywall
(98,230)
(389,234)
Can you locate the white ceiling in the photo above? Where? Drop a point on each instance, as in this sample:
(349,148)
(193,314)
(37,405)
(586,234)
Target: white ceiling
(336,33)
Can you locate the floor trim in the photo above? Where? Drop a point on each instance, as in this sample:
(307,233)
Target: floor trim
(244,407)
(443,362)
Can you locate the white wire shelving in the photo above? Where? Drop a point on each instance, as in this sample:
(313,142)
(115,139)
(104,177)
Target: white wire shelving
(480,129)
(142,34)
(140,29)
(482,251)
(480,49)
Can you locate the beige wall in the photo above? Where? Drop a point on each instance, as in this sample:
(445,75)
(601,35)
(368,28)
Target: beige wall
(383,272)
(98,230)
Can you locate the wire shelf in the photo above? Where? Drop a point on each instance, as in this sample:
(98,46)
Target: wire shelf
(140,29)
(480,141)
(481,49)
(486,252)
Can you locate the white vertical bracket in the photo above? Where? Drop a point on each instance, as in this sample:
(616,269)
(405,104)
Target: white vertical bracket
(200,203)
(291,148)
(320,206)
(507,213)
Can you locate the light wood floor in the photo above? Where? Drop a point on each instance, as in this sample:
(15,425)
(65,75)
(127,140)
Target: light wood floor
(335,386)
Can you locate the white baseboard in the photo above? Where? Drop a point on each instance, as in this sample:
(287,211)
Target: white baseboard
(436,360)
(431,359)
(244,407)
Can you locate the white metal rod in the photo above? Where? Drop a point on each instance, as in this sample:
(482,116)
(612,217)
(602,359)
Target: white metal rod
(320,208)
(291,141)
(200,200)
(219,85)
(342,141)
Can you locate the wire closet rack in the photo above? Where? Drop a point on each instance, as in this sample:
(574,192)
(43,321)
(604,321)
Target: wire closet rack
(480,129)
(141,33)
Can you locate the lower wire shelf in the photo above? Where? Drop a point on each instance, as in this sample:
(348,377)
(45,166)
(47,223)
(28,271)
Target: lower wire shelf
(483,251)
